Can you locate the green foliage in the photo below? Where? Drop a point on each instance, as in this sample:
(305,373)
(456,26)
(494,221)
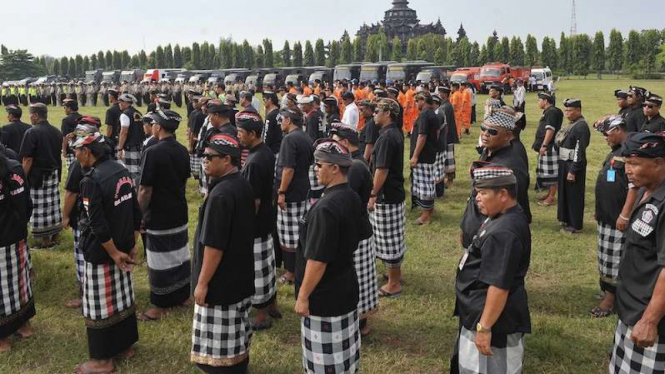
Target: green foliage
(599,52)
(286,54)
(335,54)
(206,58)
(490,49)
(531,56)
(186,55)
(474,55)
(549,53)
(226,54)
(3,49)
(196,55)
(439,57)
(71,68)
(615,51)
(516,51)
(297,54)
(397,49)
(319,53)
(169,56)
(94,64)
(582,50)
(248,53)
(308,57)
(412,50)
(86,64)
(358,49)
(346,55)
(260,57)
(143,59)
(660,57)
(159,57)
(64,65)
(117,60)
(633,50)
(101,61)
(177,56)
(79,65)
(19,64)
(150,62)
(269,59)
(505,49)
(498,53)
(55,68)
(108,60)
(565,54)
(134,62)
(651,40)
(238,56)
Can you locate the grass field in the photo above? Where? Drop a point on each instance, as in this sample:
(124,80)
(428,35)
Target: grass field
(412,334)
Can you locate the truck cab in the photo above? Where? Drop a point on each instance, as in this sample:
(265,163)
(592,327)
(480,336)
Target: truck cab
(467,75)
(233,75)
(493,73)
(131,76)
(405,71)
(322,73)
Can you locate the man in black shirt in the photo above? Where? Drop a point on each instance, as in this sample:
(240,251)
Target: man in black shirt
(639,342)
(40,152)
(653,121)
(110,223)
(424,144)
(292,184)
(615,198)
(69,123)
(452,136)
(314,128)
(547,171)
(259,170)
(442,146)
(131,136)
(491,300)
(272,133)
(223,269)
(195,121)
(386,202)
(364,258)
(326,281)
(496,134)
(634,113)
(622,102)
(370,131)
(113,113)
(161,196)
(572,140)
(13,132)
(393,93)
(219,122)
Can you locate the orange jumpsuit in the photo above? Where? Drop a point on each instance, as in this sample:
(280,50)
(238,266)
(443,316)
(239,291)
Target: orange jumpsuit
(360,94)
(306,91)
(410,110)
(456,100)
(466,108)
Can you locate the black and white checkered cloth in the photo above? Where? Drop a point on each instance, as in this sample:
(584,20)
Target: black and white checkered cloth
(364,259)
(331,344)
(423,185)
(388,224)
(133,162)
(221,335)
(79,260)
(547,171)
(627,358)
(195,165)
(315,188)
(204,180)
(509,359)
(610,241)
(288,221)
(68,160)
(107,291)
(46,217)
(264,270)
(440,165)
(450,165)
(168,258)
(15,286)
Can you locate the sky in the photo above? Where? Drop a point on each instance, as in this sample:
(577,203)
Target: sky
(47,27)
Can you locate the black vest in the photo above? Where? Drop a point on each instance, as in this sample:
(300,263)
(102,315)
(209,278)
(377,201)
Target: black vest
(135,136)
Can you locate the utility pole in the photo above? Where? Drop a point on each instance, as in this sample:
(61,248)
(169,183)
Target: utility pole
(573,22)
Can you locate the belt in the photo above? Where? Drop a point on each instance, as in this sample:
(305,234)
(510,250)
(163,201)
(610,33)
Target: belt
(566,154)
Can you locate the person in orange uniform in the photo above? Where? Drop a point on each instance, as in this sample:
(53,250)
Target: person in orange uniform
(306,90)
(410,110)
(466,107)
(456,99)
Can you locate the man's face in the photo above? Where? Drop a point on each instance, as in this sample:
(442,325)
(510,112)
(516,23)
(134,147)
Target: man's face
(494,137)
(367,111)
(214,164)
(84,157)
(123,105)
(381,117)
(642,171)
(489,202)
(34,118)
(325,172)
(572,113)
(613,136)
(650,110)
(244,102)
(147,128)
(622,103)
(284,122)
(246,138)
(494,94)
(421,103)
(542,103)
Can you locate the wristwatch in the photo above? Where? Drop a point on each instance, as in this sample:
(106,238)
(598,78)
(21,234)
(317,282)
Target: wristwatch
(481,329)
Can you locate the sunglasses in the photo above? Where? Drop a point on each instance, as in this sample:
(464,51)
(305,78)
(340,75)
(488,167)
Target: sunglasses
(320,165)
(650,106)
(210,156)
(491,131)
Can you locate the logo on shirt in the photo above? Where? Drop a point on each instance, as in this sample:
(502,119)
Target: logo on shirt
(642,228)
(647,216)
(653,208)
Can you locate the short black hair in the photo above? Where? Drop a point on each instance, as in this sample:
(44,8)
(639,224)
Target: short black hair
(511,189)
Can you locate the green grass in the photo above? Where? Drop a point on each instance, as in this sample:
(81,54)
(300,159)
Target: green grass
(412,334)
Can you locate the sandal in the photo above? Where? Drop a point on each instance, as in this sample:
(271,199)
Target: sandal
(266,324)
(600,312)
(83,369)
(401,281)
(386,294)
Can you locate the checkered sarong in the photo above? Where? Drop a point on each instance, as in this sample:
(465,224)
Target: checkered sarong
(509,359)
(388,224)
(331,345)
(204,180)
(315,189)
(547,171)
(195,165)
(264,270)
(364,260)
(108,295)
(133,163)
(440,166)
(423,185)
(450,165)
(46,217)
(288,223)
(167,254)
(221,334)
(610,241)
(79,260)
(15,289)
(627,358)
(68,160)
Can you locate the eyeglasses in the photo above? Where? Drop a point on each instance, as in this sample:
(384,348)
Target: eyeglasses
(650,106)
(491,131)
(210,156)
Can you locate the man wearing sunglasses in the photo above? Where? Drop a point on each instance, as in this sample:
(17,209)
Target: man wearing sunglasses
(654,123)
(496,135)
(634,113)
(572,140)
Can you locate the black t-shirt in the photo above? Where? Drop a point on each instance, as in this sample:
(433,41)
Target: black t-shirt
(9,153)
(426,124)
(272,133)
(226,223)
(69,126)
(259,169)
(296,152)
(135,134)
(654,124)
(15,206)
(578,138)
(329,233)
(551,119)
(314,125)
(643,258)
(611,188)
(110,211)
(361,182)
(634,118)
(43,143)
(12,135)
(166,168)
(509,157)
(371,131)
(113,119)
(388,153)
(451,125)
(73,185)
(195,121)
(499,256)
(442,143)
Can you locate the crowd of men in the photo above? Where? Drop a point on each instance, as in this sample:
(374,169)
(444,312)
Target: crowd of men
(317,188)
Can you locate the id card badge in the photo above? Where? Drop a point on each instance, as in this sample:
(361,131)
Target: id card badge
(611,175)
(464,258)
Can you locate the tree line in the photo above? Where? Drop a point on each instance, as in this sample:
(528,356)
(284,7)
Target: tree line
(641,52)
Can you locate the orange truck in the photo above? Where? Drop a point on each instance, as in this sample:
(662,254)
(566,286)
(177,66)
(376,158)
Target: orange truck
(468,74)
(496,73)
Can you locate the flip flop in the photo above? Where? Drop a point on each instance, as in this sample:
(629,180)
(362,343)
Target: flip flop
(389,295)
(266,324)
(146,318)
(599,312)
(545,203)
(401,281)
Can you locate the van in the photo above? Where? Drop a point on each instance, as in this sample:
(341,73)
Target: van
(543,76)
(406,71)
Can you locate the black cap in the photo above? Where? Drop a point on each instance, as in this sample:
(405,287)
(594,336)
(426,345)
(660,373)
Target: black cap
(224,144)
(219,108)
(14,110)
(572,103)
(620,94)
(167,119)
(653,99)
(348,95)
(497,87)
(345,131)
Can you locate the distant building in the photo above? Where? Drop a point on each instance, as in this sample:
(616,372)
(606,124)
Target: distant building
(402,22)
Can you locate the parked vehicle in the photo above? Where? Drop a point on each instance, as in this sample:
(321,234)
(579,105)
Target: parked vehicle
(322,73)
(94,75)
(374,71)
(470,75)
(406,71)
(233,75)
(347,71)
(112,76)
(183,76)
(131,76)
(543,76)
(435,72)
(496,73)
(273,79)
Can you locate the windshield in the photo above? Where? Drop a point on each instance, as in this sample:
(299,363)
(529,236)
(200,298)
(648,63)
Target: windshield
(291,78)
(538,74)
(492,72)
(458,78)
(270,78)
(424,76)
(342,73)
(369,73)
(396,73)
